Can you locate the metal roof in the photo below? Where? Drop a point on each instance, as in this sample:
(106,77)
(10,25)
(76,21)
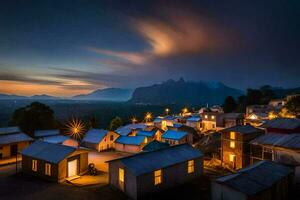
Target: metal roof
(282,123)
(146,133)
(256,178)
(9,130)
(14,138)
(44,133)
(49,152)
(94,136)
(233,115)
(194,119)
(290,141)
(131,140)
(57,139)
(155,145)
(174,135)
(244,129)
(126,130)
(148,162)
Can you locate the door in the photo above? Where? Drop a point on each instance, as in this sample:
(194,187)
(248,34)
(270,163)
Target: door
(73,168)
(13,150)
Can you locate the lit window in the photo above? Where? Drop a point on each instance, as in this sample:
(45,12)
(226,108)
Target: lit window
(121,175)
(111,138)
(190,166)
(232,135)
(34,165)
(231,157)
(232,144)
(213,117)
(206,116)
(157,177)
(48,169)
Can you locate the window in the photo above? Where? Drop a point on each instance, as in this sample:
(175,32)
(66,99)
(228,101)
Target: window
(213,126)
(157,177)
(232,144)
(213,117)
(111,137)
(232,135)
(34,165)
(206,116)
(231,157)
(121,175)
(191,166)
(48,169)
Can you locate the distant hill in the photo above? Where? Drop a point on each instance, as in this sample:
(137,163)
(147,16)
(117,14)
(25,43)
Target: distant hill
(184,92)
(7,96)
(281,93)
(108,94)
(37,97)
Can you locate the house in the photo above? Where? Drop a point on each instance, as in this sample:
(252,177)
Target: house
(176,137)
(256,118)
(12,141)
(61,139)
(155,145)
(143,174)
(130,129)
(99,139)
(54,162)
(46,133)
(235,145)
(277,103)
(258,109)
(282,125)
(193,135)
(209,120)
(169,121)
(194,122)
(226,120)
(264,180)
(154,134)
(130,144)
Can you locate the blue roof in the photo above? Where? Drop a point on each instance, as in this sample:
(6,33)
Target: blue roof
(177,125)
(94,136)
(132,140)
(13,138)
(44,133)
(57,139)
(49,152)
(146,133)
(243,129)
(174,135)
(9,130)
(126,130)
(157,119)
(194,119)
(169,117)
(155,145)
(148,162)
(256,178)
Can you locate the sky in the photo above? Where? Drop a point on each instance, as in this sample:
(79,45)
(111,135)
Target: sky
(65,48)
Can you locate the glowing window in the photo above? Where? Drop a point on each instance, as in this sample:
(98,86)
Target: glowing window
(146,140)
(34,165)
(191,166)
(206,116)
(213,117)
(232,144)
(232,135)
(157,177)
(121,175)
(48,169)
(231,157)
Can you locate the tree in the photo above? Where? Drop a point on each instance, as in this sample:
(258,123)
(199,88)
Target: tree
(242,104)
(254,96)
(115,123)
(34,117)
(229,104)
(267,94)
(293,105)
(92,122)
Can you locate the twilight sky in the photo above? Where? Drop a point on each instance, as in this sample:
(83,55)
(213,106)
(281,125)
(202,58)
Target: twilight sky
(69,47)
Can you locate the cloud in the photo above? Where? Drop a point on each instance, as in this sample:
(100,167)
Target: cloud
(27,79)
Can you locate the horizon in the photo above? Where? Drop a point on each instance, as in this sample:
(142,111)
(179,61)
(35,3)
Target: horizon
(65,49)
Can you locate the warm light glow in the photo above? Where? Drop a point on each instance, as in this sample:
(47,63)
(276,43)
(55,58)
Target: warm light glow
(75,128)
(48,169)
(206,116)
(253,117)
(34,165)
(231,157)
(121,175)
(148,116)
(157,177)
(167,110)
(213,117)
(133,120)
(191,166)
(232,144)
(232,135)
(185,110)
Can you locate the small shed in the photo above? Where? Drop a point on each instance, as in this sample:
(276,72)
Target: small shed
(54,162)
(175,137)
(148,172)
(130,144)
(264,180)
(282,125)
(12,141)
(99,139)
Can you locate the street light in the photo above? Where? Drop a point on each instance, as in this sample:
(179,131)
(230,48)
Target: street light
(148,116)
(167,110)
(133,120)
(75,128)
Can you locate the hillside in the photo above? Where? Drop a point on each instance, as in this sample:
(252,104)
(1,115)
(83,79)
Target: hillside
(108,94)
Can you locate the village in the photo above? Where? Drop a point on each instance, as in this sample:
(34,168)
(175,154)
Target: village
(205,153)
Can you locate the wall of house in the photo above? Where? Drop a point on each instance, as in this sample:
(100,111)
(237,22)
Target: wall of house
(171,176)
(128,148)
(106,143)
(222,192)
(27,168)
(6,148)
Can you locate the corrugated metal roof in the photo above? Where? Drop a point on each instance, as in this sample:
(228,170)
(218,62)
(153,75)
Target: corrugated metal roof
(148,162)
(244,129)
(49,152)
(290,141)
(9,130)
(177,125)
(155,145)
(126,130)
(95,136)
(56,139)
(174,135)
(44,133)
(131,140)
(282,123)
(157,119)
(194,119)
(14,137)
(146,133)
(256,178)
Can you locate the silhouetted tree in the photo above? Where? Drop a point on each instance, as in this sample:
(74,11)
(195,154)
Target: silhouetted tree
(115,123)
(254,96)
(242,104)
(92,122)
(33,117)
(293,105)
(229,104)
(267,94)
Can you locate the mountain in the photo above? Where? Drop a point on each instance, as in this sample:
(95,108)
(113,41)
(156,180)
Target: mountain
(43,97)
(8,96)
(108,94)
(184,92)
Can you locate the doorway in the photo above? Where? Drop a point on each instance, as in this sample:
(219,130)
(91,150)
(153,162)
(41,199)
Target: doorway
(72,168)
